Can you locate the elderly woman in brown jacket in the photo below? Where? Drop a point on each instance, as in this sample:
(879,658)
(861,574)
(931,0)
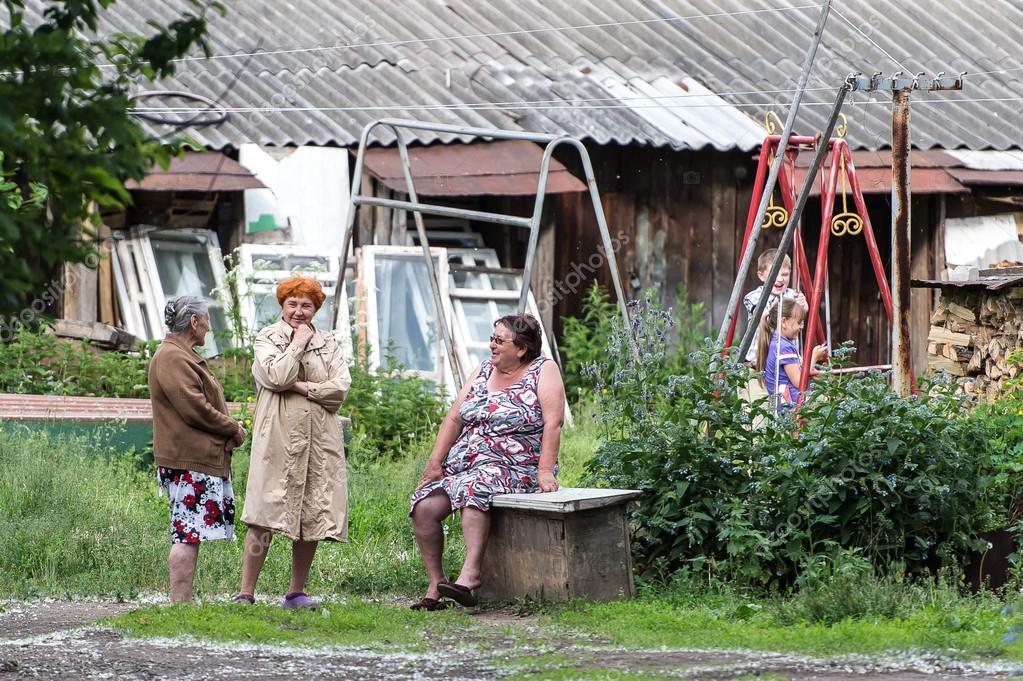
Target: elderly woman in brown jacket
(193,437)
(297,479)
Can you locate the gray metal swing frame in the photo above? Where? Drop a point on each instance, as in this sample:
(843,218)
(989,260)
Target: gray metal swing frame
(418,209)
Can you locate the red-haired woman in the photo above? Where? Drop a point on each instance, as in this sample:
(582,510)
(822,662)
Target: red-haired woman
(297,484)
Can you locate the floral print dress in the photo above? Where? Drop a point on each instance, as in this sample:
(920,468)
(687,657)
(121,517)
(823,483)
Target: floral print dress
(498,450)
(201,505)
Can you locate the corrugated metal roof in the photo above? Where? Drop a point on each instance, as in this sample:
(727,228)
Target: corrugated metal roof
(745,58)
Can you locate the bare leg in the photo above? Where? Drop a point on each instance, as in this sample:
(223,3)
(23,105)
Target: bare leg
(475,531)
(181,565)
(257,543)
(302,553)
(426,525)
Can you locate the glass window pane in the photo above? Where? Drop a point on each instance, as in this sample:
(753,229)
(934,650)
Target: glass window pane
(184,268)
(479,319)
(406,314)
(477,355)
(288,262)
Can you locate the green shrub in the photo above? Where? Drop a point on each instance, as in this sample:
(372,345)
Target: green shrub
(40,363)
(585,340)
(898,479)
(1003,422)
(390,409)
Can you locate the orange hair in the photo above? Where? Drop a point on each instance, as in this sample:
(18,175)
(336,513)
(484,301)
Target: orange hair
(300,287)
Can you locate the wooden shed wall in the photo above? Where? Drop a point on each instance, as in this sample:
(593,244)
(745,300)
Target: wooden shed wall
(681,216)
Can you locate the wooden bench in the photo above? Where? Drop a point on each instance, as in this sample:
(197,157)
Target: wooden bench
(553,546)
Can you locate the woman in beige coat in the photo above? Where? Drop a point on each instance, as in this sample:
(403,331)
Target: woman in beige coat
(297,483)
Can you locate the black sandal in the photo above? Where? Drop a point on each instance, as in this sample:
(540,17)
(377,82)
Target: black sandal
(430,604)
(459,594)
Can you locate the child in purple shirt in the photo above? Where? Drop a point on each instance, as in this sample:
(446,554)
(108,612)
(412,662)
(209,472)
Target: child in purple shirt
(778,353)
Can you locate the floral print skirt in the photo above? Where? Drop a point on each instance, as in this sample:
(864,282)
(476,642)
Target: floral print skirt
(201,505)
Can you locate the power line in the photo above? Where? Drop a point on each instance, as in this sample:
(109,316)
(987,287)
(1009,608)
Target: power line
(474,105)
(496,34)
(447,107)
(986,73)
(870,40)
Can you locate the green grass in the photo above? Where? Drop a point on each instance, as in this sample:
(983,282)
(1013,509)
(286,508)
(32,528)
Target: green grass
(352,622)
(966,627)
(76,519)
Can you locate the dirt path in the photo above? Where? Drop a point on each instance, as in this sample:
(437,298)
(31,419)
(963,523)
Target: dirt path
(55,640)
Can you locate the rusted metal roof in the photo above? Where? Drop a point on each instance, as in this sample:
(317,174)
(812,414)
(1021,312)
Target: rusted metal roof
(507,167)
(990,283)
(988,177)
(879,181)
(198,172)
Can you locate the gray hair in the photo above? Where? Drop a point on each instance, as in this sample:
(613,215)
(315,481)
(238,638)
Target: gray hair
(177,314)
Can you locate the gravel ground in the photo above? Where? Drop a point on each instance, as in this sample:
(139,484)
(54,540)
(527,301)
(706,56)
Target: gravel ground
(57,640)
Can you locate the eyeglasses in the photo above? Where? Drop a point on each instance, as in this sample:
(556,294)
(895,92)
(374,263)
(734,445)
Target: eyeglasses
(496,340)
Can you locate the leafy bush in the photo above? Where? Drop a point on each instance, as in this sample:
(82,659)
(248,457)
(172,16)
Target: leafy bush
(898,479)
(844,585)
(1003,421)
(389,408)
(39,363)
(585,340)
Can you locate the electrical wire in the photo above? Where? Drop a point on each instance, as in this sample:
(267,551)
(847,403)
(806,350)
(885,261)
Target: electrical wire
(496,34)
(870,40)
(527,107)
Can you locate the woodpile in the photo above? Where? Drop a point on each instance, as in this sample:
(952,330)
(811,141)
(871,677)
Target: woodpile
(973,333)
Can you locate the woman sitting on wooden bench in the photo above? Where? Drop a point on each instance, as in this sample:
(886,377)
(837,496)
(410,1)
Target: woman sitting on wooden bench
(500,436)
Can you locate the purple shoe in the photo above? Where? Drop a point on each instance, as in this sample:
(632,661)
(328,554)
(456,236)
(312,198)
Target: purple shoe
(244,598)
(299,600)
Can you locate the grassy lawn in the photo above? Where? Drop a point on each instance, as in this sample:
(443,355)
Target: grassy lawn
(76,521)
(973,629)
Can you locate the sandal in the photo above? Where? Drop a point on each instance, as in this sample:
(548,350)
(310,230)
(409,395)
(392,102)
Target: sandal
(459,594)
(430,604)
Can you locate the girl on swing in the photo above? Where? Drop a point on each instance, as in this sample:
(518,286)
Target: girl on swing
(778,351)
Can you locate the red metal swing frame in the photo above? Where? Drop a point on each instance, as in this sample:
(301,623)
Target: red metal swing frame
(841,161)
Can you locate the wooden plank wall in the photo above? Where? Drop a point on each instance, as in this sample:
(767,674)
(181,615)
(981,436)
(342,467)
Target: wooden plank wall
(680,217)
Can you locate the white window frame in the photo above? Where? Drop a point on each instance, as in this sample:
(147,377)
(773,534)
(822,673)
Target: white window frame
(487,293)
(367,275)
(143,299)
(254,280)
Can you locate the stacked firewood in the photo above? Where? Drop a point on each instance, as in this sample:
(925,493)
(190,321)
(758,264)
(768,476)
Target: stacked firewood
(972,335)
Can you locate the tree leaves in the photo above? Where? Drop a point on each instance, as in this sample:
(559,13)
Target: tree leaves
(69,141)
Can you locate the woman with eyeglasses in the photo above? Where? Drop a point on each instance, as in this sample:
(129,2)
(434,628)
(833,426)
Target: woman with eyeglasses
(500,436)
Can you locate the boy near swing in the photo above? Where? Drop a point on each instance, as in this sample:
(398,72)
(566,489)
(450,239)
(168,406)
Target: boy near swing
(780,290)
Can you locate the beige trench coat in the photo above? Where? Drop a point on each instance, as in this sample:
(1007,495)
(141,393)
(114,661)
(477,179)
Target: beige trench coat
(298,484)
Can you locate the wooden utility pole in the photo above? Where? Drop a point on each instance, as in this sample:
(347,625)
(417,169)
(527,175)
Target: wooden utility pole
(901,89)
